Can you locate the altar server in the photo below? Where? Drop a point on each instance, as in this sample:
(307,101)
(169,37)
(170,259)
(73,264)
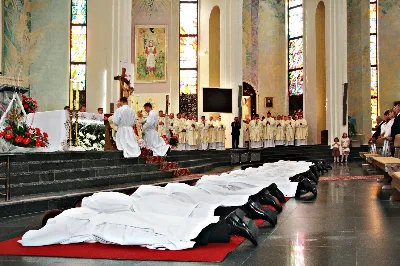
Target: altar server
(220,128)
(256,131)
(269,131)
(191,131)
(301,131)
(152,140)
(212,134)
(125,119)
(203,133)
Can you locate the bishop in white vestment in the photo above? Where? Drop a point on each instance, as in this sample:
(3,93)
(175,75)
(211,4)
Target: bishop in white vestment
(152,139)
(125,119)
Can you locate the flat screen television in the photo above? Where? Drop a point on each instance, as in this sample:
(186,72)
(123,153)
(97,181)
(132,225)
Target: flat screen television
(216,100)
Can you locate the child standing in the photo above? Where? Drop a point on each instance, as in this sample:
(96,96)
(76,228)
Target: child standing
(345,143)
(336,150)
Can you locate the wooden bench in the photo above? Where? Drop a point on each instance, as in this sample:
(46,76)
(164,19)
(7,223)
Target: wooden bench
(385,163)
(396,180)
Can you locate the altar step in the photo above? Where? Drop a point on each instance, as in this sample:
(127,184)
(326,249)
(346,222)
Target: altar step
(35,177)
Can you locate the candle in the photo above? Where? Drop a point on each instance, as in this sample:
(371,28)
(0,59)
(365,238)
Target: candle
(77,97)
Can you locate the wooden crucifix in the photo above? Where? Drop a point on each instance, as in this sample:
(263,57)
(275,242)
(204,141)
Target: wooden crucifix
(125,88)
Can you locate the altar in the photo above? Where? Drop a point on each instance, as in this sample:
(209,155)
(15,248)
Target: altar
(57,125)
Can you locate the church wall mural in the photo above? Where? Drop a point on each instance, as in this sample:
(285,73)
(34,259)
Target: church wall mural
(264,52)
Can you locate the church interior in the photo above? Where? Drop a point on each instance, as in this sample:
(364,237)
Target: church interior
(199,132)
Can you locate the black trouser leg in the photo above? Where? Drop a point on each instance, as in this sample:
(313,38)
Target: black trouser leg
(223,211)
(214,233)
(235,141)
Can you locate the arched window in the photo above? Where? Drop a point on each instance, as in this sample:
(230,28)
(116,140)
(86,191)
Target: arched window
(374,59)
(188,57)
(78,32)
(295,54)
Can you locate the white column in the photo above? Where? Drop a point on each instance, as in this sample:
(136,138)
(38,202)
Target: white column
(336,36)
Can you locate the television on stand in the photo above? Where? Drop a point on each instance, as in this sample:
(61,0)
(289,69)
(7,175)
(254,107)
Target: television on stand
(217,100)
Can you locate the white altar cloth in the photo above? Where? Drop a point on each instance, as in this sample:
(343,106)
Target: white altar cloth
(55,123)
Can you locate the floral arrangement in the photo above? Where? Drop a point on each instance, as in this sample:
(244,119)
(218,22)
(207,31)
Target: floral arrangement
(173,141)
(91,135)
(21,135)
(29,104)
(145,152)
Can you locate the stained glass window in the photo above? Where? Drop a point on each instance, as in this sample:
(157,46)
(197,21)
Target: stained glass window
(188,57)
(374,60)
(295,53)
(78,35)
(293,3)
(296,22)
(188,52)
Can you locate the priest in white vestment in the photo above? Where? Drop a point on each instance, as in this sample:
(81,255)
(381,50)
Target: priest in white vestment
(301,131)
(212,134)
(125,119)
(280,131)
(191,133)
(152,139)
(256,130)
(290,129)
(203,133)
(269,131)
(246,134)
(220,141)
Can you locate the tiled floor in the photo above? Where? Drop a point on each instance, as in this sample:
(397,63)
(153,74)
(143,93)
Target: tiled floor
(351,223)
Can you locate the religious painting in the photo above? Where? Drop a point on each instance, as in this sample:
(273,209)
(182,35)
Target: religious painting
(151,53)
(269,102)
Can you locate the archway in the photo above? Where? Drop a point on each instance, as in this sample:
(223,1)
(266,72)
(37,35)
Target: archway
(321,72)
(249,101)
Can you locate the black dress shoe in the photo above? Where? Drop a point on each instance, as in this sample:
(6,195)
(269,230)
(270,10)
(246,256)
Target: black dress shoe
(273,188)
(267,198)
(243,227)
(258,212)
(307,186)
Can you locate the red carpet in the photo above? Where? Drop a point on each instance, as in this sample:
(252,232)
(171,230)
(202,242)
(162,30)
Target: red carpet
(349,178)
(209,253)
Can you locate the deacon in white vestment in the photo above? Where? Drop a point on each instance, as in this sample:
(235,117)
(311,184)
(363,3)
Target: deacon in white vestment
(125,119)
(153,141)
(220,128)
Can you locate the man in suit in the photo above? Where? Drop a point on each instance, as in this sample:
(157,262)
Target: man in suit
(379,122)
(235,133)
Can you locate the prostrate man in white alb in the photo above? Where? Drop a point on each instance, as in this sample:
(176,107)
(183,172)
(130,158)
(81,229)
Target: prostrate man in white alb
(152,139)
(125,119)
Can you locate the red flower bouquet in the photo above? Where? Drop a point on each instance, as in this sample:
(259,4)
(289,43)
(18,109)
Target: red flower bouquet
(30,105)
(22,136)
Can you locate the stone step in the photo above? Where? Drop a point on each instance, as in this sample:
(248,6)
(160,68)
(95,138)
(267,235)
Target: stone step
(33,166)
(90,182)
(77,173)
